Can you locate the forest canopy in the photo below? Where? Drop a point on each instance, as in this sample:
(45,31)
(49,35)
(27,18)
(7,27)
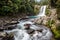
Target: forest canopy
(9,7)
(15,6)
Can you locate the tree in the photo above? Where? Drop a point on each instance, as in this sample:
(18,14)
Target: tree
(14,6)
(53,3)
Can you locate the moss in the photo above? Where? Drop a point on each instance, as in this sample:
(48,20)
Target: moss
(56,33)
(48,13)
(36,10)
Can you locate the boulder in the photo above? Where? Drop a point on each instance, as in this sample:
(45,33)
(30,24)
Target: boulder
(23,19)
(27,26)
(8,37)
(11,23)
(2,34)
(10,27)
(0,38)
(30,31)
(1,28)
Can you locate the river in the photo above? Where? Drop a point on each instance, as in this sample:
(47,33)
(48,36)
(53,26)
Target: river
(28,30)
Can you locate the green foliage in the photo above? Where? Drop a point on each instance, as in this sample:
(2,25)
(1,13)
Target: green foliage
(58,3)
(14,6)
(55,3)
(36,10)
(44,2)
(48,13)
(54,28)
(50,22)
(58,9)
(56,31)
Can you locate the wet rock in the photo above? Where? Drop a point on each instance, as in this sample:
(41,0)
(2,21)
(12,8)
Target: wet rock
(8,37)
(30,31)
(2,34)
(24,19)
(14,22)
(5,36)
(1,28)
(10,27)
(11,23)
(42,20)
(27,26)
(0,38)
(40,30)
(39,21)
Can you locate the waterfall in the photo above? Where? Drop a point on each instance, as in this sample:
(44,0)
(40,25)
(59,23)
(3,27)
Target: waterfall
(35,32)
(42,11)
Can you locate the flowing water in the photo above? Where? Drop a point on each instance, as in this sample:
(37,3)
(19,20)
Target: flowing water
(42,11)
(39,32)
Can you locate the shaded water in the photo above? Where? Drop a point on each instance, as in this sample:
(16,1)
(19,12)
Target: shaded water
(39,32)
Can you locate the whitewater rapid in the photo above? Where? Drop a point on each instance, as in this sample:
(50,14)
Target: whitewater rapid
(43,33)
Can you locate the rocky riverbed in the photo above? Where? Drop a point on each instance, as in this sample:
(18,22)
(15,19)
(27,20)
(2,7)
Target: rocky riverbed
(12,25)
(8,23)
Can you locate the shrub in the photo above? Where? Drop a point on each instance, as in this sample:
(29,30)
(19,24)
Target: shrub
(50,23)
(48,13)
(56,31)
(45,2)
